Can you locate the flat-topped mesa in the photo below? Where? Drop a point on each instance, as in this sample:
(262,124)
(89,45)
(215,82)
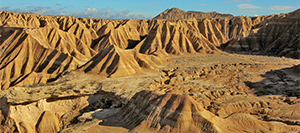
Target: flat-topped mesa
(176,13)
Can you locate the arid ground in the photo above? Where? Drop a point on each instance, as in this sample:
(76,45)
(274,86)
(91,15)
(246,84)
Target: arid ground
(178,72)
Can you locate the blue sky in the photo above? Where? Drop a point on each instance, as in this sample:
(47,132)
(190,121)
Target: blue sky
(138,9)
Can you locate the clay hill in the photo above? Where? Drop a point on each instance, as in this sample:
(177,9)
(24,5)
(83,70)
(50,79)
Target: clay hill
(268,40)
(180,72)
(176,13)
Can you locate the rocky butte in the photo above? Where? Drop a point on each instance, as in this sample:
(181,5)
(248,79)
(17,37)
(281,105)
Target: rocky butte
(179,72)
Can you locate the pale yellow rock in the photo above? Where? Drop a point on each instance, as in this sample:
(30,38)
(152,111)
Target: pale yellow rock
(27,128)
(48,123)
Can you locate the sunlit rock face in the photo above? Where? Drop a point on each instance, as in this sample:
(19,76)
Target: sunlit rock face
(179,72)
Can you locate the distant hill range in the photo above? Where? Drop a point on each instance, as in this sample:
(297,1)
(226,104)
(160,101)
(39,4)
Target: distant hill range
(37,48)
(176,13)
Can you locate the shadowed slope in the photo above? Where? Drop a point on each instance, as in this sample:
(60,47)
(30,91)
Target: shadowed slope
(279,37)
(121,34)
(115,62)
(35,55)
(133,44)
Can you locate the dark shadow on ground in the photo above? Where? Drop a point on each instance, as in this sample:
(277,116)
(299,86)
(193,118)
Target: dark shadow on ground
(285,82)
(100,100)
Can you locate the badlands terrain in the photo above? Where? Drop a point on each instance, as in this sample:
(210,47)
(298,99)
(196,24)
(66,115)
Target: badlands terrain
(178,72)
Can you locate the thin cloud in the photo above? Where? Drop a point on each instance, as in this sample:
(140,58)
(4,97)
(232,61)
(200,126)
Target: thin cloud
(247,6)
(236,1)
(105,13)
(281,7)
(6,8)
(201,4)
(34,9)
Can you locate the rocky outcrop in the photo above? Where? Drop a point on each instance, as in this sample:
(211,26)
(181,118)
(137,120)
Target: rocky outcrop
(169,112)
(181,113)
(176,13)
(41,112)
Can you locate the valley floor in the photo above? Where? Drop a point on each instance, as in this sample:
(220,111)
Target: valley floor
(230,87)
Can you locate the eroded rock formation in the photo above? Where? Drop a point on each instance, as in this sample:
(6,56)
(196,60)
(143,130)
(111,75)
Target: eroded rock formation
(279,37)
(181,113)
(39,112)
(61,44)
(73,74)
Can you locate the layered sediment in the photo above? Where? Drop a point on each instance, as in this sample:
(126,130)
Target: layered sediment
(168,74)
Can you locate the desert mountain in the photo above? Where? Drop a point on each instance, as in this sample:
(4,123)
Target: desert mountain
(175,13)
(81,41)
(72,74)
